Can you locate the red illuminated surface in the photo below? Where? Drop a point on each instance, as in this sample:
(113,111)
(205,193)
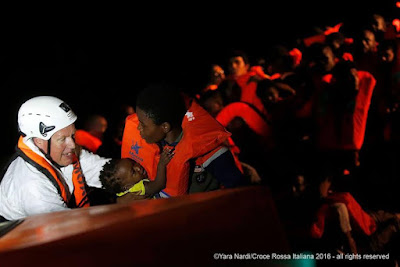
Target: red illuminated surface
(396,23)
(171,231)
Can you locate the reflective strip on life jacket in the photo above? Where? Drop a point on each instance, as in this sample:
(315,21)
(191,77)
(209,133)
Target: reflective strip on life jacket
(206,160)
(252,118)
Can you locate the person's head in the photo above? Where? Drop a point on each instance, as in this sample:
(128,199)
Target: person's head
(387,51)
(335,40)
(238,63)
(345,76)
(378,25)
(96,125)
(328,58)
(118,175)
(345,83)
(267,92)
(212,102)
(368,41)
(271,92)
(279,60)
(217,74)
(49,122)
(322,58)
(160,110)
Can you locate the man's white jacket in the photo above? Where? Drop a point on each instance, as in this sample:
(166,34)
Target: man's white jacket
(25,191)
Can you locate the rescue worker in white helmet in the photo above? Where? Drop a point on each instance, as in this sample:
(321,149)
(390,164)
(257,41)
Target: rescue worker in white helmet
(45,173)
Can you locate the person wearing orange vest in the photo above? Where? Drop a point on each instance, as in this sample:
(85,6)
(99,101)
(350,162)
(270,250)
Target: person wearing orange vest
(366,231)
(213,103)
(162,120)
(343,112)
(45,174)
(239,67)
(91,136)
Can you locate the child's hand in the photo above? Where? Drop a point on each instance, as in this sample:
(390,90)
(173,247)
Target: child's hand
(166,157)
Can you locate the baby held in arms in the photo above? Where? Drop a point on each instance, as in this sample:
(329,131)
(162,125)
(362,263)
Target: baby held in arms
(128,180)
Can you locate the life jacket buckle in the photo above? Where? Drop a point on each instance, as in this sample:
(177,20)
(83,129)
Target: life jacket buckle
(198,168)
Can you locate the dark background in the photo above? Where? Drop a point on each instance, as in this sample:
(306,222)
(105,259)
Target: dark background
(96,60)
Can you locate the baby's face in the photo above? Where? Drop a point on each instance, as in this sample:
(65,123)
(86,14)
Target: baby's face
(129,172)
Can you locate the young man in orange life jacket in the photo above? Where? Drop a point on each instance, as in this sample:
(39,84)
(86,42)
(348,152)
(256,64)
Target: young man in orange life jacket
(201,162)
(45,174)
(239,70)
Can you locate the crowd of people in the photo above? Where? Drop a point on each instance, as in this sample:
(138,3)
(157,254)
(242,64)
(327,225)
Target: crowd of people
(317,122)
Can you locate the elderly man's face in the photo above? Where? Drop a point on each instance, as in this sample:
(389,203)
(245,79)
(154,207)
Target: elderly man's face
(62,145)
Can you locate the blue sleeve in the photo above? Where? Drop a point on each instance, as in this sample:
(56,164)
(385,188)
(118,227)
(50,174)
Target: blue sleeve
(224,169)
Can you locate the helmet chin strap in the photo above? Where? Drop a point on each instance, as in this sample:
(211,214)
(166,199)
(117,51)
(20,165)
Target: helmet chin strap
(47,155)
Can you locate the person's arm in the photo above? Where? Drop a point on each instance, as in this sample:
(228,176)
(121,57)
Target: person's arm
(160,181)
(252,173)
(345,226)
(351,242)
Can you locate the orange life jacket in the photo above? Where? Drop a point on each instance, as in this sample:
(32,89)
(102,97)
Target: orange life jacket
(359,218)
(81,198)
(296,55)
(258,70)
(252,118)
(353,125)
(320,38)
(249,91)
(88,141)
(203,138)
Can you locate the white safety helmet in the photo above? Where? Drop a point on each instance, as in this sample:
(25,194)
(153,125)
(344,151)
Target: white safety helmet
(42,116)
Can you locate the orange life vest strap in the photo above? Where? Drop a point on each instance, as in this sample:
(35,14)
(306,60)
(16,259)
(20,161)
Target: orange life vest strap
(43,166)
(81,197)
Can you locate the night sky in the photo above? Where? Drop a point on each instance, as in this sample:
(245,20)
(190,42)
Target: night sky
(97,60)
